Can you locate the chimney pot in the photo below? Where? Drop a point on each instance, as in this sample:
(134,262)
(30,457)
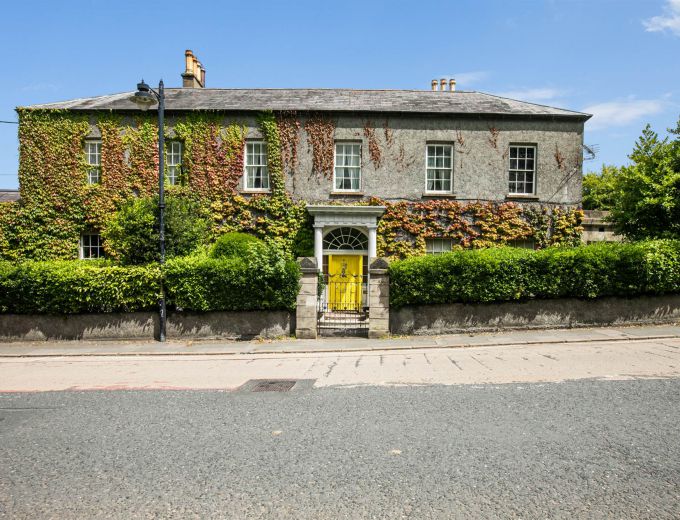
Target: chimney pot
(435,83)
(452,85)
(194,73)
(442,84)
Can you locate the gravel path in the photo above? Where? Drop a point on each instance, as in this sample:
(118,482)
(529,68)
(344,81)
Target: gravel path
(585,449)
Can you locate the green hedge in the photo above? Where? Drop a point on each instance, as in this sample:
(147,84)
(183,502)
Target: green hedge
(71,287)
(503,274)
(257,283)
(237,244)
(263,281)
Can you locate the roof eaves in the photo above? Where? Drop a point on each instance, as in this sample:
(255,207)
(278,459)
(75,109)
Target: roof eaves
(574,113)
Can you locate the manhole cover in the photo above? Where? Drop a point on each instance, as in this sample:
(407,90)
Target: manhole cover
(273,385)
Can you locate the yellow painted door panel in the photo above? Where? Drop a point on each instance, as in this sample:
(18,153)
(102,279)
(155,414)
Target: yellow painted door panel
(345,282)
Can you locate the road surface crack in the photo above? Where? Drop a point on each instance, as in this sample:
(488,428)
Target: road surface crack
(478,361)
(330,368)
(455,363)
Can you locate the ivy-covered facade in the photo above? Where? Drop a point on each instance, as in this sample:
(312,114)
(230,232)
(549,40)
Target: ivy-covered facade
(451,169)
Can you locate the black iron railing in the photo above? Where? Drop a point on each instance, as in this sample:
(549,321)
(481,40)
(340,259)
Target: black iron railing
(343,305)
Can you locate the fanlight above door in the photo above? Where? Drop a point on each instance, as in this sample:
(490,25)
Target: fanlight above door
(345,239)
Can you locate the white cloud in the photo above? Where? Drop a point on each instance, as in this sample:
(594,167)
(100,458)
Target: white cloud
(465,79)
(622,112)
(670,21)
(470,78)
(534,95)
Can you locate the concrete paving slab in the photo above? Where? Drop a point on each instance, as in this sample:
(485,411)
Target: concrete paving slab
(500,364)
(291,345)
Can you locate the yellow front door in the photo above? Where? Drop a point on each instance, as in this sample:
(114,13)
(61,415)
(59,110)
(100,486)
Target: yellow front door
(345,282)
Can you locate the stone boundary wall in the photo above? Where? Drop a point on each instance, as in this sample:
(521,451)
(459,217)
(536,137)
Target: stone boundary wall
(144,325)
(534,314)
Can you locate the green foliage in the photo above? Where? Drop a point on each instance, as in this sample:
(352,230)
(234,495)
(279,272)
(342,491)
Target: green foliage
(503,274)
(647,193)
(236,244)
(598,188)
(73,286)
(132,235)
(264,280)
(405,226)
(644,197)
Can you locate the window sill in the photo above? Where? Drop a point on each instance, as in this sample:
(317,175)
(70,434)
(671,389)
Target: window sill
(348,193)
(438,195)
(517,196)
(256,191)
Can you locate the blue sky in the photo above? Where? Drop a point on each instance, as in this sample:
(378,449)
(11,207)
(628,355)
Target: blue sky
(618,59)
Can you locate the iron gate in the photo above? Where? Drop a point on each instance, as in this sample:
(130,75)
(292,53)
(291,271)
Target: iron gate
(342,308)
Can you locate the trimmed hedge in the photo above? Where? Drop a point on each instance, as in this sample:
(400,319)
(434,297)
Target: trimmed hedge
(503,274)
(266,280)
(260,282)
(236,244)
(71,287)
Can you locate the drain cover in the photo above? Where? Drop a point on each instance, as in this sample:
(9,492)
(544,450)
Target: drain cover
(273,385)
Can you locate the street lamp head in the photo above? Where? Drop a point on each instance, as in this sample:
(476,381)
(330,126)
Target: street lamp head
(143,97)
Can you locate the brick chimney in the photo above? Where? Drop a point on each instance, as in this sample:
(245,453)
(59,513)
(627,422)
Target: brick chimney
(194,75)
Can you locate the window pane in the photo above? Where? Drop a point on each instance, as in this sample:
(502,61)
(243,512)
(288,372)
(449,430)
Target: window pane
(347,166)
(257,173)
(91,246)
(437,246)
(439,167)
(521,170)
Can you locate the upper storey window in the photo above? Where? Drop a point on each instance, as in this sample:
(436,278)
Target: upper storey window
(522,173)
(439,166)
(173,162)
(257,174)
(93,157)
(347,167)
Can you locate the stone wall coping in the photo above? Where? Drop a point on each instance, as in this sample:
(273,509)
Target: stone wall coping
(308,264)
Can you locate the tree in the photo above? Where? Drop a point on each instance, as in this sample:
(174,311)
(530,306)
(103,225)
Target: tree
(646,194)
(132,235)
(598,188)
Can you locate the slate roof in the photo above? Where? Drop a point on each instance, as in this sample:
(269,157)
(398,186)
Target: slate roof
(324,100)
(9,195)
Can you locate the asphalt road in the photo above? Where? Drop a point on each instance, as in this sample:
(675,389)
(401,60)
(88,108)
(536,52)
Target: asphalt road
(582,449)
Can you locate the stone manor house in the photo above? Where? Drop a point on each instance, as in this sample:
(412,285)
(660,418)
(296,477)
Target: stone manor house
(437,148)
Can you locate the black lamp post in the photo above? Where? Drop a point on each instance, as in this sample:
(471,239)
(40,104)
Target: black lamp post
(145,97)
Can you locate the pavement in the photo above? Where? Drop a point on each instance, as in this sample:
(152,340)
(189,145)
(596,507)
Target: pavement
(335,344)
(546,356)
(580,449)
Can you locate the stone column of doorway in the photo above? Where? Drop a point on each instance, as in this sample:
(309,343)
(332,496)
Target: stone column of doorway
(379,299)
(318,246)
(372,242)
(305,313)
